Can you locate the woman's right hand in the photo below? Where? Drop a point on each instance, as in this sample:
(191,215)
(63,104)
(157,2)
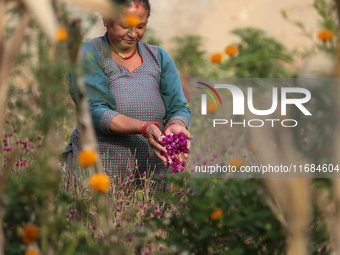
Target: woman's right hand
(153,135)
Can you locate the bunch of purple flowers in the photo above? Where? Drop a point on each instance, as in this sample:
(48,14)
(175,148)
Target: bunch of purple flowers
(174,144)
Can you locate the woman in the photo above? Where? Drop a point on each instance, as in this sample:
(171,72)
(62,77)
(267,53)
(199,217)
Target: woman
(134,93)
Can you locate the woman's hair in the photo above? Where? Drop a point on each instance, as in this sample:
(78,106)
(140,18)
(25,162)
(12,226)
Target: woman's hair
(144,3)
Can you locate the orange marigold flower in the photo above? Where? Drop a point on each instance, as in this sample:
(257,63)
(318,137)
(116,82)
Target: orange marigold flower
(132,21)
(30,234)
(100,182)
(325,35)
(237,162)
(231,50)
(216,58)
(212,107)
(216,214)
(87,158)
(32,252)
(61,34)
(253,148)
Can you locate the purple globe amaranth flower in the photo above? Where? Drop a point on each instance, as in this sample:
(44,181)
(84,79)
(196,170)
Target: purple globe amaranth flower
(119,209)
(23,164)
(15,130)
(180,192)
(67,216)
(161,248)
(140,205)
(143,174)
(160,175)
(72,212)
(94,216)
(4,140)
(39,137)
(184,164)
(94,227)
(6,120)
(147,253)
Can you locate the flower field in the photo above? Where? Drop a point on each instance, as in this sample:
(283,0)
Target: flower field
(45,209)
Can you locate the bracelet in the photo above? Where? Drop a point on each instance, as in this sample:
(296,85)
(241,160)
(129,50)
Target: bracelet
(169,125)
(146,125)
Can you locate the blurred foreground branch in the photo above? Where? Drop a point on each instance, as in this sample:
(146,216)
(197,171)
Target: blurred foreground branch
(292,201)
(7,62)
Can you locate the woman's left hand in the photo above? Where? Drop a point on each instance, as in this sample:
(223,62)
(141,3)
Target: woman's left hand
(175,129)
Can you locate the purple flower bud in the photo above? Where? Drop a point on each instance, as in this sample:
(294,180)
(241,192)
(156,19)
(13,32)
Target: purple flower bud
(161,248)
(23,164)
(184,164)
(180,192)
(140,205)
(94,227)
(147,253)
(39,137)
(67,216)
(158,213)
(160,175)
(166,155)
(72,212)
(5,140)
(143,174)
(14,130)
(119,209)
(7,121)
(94,216)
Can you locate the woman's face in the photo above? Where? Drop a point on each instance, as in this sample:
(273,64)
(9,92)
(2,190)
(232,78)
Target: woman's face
(123,36)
